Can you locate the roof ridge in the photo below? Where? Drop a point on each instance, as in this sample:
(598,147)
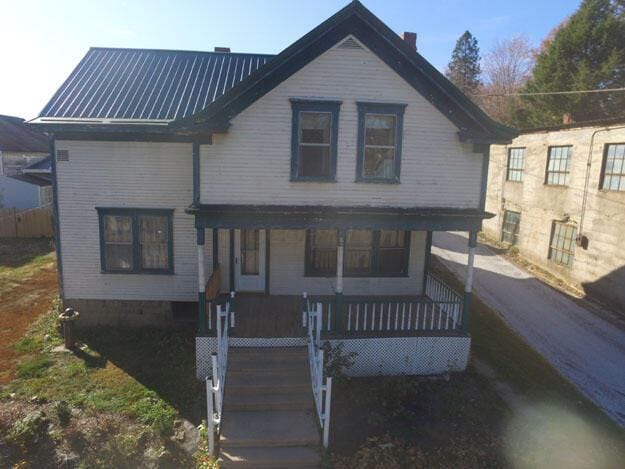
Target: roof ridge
(178,51)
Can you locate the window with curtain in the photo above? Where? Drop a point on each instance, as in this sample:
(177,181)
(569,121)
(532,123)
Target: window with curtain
(379,141)
(367,253)
(136,240)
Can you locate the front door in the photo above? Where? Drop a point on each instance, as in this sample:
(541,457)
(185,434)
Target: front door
(249,260)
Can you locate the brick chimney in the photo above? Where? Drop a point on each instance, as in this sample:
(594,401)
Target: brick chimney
(223,50)
(410,39)
(567,119)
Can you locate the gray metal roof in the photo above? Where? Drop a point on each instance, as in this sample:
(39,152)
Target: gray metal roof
(148,84)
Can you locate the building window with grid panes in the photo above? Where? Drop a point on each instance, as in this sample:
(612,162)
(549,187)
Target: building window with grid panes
(613,167)
(562,245)
(510,227)
(558,165)
(136,240)
(516,163)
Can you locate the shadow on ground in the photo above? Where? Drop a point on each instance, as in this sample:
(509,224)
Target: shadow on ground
(20,251)
(161,360)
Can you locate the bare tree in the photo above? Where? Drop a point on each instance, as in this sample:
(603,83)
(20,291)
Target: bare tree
(507,67)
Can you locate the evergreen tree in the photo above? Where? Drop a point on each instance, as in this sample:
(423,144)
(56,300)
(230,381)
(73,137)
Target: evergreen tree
(587,52)
(464,68)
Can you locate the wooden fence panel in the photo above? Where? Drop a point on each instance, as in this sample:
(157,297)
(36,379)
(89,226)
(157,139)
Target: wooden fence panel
(31,223)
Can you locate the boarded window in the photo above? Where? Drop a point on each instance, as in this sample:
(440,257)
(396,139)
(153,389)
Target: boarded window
(613,174)
(558,165)
(510,227)
(562,245)
(516,164)
(136,240)
(249,252)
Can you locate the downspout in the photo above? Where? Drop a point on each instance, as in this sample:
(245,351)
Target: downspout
(587,181)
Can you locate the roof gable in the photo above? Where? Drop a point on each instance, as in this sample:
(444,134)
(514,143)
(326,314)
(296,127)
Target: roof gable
(359,22)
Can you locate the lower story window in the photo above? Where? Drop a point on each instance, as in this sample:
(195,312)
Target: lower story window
(510,228)
(367,253)
(562,245)
(136,240)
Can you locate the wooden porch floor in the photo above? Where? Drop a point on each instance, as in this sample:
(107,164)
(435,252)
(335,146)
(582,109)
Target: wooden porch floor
(260,315)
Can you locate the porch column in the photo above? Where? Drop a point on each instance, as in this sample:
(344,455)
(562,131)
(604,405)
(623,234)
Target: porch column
(201,279)
(466,304)
(338,313)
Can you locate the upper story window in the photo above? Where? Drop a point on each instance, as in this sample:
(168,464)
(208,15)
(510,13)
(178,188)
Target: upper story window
(314,140)
(379,142)
(136,240)
(613,168)
(558,165)
(516,163)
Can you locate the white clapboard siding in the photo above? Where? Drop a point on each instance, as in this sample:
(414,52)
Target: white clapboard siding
(120,174)
(251,163)
(287,270)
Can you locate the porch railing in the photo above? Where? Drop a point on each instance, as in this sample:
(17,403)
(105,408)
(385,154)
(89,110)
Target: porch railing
(215,384)
(322,391)
(439,310)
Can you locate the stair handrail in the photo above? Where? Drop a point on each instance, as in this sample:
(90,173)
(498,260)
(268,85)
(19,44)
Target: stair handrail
(215,384)
(321,388)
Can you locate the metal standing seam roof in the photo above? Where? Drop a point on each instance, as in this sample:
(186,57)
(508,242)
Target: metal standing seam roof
(148,84)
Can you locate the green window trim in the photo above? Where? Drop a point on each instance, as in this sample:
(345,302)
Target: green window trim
(613,168)
(516,164)
(135,215)
(379,109)
(299,107)
(309,270)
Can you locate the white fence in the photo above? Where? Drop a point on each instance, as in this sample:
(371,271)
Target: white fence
(215,384)
(322,393)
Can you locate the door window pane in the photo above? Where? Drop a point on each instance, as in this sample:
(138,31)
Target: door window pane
(154,242)
(118,242)
(249,252)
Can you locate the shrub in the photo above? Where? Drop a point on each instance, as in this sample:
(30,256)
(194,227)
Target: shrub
(337,362)
(63,412)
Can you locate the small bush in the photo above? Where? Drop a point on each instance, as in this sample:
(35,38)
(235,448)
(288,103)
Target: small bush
(337,362)
(27,431)
(33,368)
(63,412)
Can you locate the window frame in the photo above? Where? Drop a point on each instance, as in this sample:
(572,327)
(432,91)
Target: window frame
(503,226)
(135,214)
(510,170)
(302,105)
(570,252)
(566,173)
(375,250)
(604,162)
(396,110)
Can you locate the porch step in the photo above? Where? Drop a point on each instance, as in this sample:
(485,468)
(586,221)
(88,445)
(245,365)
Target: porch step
(296,399)
(296,456)
(261,378)
(283,428)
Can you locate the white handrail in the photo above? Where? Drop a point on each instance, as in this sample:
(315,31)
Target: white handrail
(321,392)
(215,384)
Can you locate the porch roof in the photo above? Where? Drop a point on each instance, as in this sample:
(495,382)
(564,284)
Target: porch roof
(336,217)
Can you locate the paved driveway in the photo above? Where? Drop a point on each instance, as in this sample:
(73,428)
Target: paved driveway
(586,349)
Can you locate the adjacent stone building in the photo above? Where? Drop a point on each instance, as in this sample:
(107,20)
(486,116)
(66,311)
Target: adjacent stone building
(559,195)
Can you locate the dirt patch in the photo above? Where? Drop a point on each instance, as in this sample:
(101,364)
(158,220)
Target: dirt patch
(26,299)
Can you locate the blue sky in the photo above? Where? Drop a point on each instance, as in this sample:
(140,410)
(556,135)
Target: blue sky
(43,40)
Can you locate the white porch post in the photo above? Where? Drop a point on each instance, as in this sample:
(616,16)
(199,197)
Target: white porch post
(338,310)
(468,286)
(201,278)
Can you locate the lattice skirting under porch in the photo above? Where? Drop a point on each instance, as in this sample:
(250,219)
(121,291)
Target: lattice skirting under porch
(375,356)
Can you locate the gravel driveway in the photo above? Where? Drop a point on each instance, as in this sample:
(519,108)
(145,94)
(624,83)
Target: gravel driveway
(586,349)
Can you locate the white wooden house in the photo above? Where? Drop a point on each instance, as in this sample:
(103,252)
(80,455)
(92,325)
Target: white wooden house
(309,183)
